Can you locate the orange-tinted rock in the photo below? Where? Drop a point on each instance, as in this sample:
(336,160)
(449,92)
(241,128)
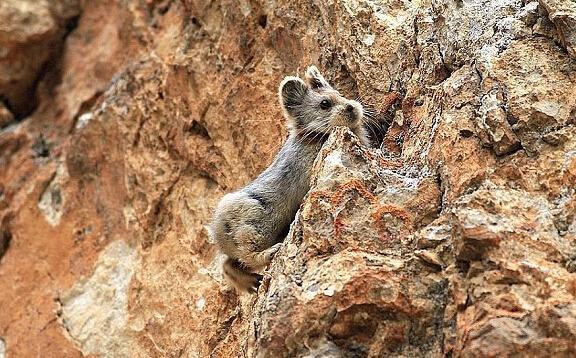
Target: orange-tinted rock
(456,237)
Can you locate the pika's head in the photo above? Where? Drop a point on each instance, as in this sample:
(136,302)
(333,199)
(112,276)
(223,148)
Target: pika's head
(313,107)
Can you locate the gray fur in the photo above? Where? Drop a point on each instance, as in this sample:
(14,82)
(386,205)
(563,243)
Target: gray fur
(250,224)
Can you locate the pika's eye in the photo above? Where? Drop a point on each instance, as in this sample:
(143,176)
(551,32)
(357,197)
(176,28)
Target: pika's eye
(325,104)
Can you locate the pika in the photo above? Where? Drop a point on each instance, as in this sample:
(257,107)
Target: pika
(250,224)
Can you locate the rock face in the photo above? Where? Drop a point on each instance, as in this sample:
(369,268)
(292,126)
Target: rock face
(455,235)
(31,37)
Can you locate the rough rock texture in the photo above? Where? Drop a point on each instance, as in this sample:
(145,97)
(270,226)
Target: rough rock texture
(31,36)
(94,312)
(454,236)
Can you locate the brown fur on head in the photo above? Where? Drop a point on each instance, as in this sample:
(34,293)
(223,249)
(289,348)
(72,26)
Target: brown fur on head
(313,106)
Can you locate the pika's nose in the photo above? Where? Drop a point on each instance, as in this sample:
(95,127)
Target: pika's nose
(350,112)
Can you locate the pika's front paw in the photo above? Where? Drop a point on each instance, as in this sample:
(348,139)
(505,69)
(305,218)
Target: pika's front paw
(262,259)
(271,252)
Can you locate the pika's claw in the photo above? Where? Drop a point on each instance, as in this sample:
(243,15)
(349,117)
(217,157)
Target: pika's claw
(271,252)
(262,259)
(256,283)
(241,280)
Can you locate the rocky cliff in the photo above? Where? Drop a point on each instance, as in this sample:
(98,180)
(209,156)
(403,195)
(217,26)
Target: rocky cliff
(123,122)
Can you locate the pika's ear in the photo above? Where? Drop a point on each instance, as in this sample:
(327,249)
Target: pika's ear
(292,91)
(315,78)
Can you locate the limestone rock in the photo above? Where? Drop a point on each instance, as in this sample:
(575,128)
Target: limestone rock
(95,312)
(514,272)
(345,276)
(563,15)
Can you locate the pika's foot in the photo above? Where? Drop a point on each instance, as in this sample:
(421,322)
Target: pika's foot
(241,279)
(271,252)
(263,258)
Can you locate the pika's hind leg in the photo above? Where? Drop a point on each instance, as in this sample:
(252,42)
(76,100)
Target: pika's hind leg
(239,277)
(251,254)
(253,249)
(263,258)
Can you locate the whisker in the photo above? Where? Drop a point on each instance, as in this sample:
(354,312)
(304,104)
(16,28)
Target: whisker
(325,126)
(374,127)
(308,132)
(372,119)
(260,120)
(369,115)
(318,129)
